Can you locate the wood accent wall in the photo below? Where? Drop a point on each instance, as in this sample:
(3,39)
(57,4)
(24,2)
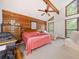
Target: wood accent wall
(25,21)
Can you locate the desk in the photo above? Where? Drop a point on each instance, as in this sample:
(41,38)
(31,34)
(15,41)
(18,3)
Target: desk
(3,45)
(7,42)
(6,38)
(7,45)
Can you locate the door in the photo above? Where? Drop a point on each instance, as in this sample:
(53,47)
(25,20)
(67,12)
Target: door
(51,27)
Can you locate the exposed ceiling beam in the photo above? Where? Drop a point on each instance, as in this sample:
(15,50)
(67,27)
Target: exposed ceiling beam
(51,6)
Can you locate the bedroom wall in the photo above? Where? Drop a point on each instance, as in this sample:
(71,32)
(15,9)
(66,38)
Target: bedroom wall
(59,23)
(24,21)
(59,20)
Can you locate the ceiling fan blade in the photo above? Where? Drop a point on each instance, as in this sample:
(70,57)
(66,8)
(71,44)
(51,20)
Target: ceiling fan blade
(42,14)
(48,14)
(51,11)
(41,10)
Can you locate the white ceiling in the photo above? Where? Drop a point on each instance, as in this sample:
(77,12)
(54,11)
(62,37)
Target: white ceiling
(30,7)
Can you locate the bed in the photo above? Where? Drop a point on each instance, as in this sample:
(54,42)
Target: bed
(34,40)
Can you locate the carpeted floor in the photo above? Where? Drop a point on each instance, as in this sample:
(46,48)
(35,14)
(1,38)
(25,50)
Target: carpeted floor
(55,50)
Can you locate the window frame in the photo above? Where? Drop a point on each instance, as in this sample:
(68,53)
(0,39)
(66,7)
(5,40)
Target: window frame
(69,29)
(69,5)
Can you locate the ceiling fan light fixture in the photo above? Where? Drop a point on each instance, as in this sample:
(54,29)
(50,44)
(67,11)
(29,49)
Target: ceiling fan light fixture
(51,6)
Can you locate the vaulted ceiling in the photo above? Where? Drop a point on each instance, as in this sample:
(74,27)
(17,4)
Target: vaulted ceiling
(30,7)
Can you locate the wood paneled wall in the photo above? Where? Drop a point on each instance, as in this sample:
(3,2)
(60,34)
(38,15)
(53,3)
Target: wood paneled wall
(25,21)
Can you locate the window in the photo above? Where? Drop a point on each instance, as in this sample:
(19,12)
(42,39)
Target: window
(72,8)
(71,25)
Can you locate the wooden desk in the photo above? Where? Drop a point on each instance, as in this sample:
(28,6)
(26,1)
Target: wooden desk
(7,42)
(3,45)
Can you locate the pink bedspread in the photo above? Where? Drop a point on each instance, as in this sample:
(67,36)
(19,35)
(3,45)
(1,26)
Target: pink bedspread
(35,40)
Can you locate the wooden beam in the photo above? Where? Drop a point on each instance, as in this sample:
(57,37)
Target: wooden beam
(51,5)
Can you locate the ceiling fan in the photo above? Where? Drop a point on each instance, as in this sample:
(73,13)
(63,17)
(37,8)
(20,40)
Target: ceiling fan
(49,4)
(46,11)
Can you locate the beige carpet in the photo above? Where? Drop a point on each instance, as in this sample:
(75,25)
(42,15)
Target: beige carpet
(55,50)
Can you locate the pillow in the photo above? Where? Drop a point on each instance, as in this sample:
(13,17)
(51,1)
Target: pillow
(43,32)
(34,33)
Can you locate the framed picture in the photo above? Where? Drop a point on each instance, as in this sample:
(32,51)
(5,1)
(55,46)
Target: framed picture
(33,25)
(72,8)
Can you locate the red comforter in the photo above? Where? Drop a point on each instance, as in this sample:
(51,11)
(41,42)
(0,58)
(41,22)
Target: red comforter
(35,39)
